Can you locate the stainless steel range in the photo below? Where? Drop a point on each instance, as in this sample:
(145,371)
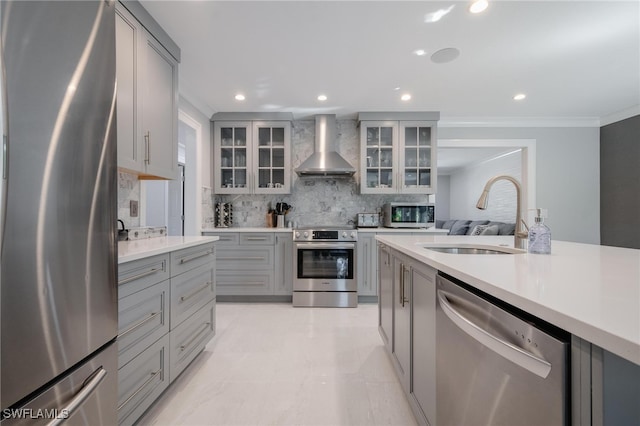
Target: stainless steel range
(324,260)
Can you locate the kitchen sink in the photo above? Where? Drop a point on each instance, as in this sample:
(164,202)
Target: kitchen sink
(471,249)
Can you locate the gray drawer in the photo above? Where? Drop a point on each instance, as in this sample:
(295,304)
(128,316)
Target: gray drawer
(226,238)
(239,259)
(139,274)
(143,318)
(192,257)
(190,338)
(244,282)
(257,238)
(142,380)
(190,292)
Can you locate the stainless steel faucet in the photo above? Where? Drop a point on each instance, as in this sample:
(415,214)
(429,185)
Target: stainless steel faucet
(520,233)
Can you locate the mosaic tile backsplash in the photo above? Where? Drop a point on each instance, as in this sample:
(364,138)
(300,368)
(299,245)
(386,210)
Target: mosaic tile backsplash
(315,201)
(128,189)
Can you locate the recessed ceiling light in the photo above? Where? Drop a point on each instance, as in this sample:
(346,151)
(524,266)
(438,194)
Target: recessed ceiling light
(447,54)
(322,98)
(405,97)
(240,97)
(478,6)
(420,52)
(519,97)
(396,88)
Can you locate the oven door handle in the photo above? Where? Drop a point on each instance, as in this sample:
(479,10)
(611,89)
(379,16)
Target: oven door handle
(325,245)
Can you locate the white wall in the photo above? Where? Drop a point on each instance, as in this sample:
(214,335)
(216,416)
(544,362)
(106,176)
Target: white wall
(443,198)
(567,174)
(197,166)
(467,185)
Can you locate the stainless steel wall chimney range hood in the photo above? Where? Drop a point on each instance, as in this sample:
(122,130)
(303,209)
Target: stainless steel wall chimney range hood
(325,161)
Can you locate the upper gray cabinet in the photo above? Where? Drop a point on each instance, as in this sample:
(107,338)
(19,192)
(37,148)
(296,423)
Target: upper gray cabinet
(147,101)
(252,153)
(398,152)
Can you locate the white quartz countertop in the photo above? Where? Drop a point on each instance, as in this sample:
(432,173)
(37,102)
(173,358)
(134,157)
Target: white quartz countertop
(588,290)
(381,230)
(139,249)
(257,229)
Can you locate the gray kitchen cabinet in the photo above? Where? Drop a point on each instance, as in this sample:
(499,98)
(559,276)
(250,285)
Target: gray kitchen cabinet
(189,338)
(385,295)
(252,153)
(166,306)
(142,381)
(401,345)
(423,336)
(254,263)
(143,318)
(140,274)
(192,257)
(283,266)
(398,152)
(190,291)
(406,322)
(367,261)
(147,101)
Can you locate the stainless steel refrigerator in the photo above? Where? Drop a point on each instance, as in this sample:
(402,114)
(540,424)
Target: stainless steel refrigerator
(58,199)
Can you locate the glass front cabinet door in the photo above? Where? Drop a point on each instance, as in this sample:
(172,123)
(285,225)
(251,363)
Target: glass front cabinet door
(252,157)
(378,140)
(398,156)
(417,158)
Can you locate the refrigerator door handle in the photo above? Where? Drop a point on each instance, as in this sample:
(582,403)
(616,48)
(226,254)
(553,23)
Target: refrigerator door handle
(81,397)
(524,359)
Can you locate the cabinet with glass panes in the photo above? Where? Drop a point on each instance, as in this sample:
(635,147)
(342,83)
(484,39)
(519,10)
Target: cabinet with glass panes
(252,156)
(398,152)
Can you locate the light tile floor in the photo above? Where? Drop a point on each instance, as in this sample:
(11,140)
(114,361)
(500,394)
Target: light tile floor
(273,364)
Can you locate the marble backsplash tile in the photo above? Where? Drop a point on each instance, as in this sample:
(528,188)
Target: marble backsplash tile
(128,189)
(315,201)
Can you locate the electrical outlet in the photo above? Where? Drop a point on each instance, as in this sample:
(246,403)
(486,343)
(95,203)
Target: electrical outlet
(133,208)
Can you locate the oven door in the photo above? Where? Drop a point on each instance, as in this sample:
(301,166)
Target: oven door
(324,266)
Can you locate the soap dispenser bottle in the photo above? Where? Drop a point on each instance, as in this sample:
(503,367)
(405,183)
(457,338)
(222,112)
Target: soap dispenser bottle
(540,234)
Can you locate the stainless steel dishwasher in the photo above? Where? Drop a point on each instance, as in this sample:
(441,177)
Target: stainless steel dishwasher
(497,365)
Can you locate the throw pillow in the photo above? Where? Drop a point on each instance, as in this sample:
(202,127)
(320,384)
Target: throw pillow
(490,230)
(479,229)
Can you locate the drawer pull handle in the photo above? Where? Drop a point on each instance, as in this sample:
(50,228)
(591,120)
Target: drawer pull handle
(256,238)
(140,324)
(194,292)
(144,385)
(240,258)
(144,274)
(195,256)
(243,283)
(193,339)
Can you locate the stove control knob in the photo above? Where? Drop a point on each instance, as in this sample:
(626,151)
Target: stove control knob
(353,235)
(297,234)
(306,234)
(344,234)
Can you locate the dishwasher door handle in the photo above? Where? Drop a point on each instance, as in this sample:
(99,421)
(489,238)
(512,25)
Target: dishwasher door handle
(524,359)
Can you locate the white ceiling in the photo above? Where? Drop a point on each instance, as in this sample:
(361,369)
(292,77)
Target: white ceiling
(573,59)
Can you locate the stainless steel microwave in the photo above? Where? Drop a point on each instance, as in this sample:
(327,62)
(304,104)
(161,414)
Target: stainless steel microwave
(409,215)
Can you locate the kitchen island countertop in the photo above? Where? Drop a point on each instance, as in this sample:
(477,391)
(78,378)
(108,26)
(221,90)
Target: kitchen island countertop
(139,249)
(588,290)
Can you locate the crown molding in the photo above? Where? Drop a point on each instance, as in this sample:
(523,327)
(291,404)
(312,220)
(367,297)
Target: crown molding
(519,122)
